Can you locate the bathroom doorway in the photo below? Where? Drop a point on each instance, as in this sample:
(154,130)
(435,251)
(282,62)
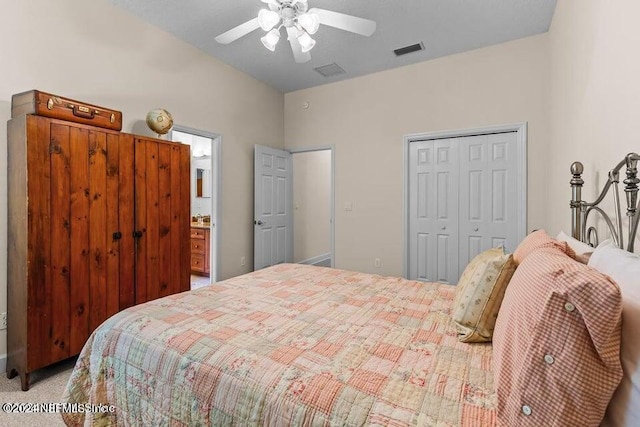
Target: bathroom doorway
(205,202)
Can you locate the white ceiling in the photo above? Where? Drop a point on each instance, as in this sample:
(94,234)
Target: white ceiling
(444,27)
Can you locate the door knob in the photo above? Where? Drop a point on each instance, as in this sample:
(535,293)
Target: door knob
(444,227)
(476,229)
(258,222)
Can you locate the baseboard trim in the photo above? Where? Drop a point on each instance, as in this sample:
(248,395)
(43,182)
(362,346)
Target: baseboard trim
(317,259)
(3,363)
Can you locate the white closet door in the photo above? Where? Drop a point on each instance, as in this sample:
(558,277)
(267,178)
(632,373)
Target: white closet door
(488,194)
(433,211)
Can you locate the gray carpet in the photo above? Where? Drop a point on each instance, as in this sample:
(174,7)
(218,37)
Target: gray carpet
(47,386)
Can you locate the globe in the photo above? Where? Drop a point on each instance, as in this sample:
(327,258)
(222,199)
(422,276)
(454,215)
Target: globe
(159,120)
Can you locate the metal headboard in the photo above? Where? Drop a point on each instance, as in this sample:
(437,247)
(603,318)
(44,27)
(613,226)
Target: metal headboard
(581,209)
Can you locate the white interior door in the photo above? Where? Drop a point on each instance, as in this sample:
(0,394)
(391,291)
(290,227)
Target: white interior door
(433,211)
(488,194)
(465,194)
(273,226)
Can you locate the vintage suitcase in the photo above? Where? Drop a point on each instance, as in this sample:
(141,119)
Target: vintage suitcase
(57,107)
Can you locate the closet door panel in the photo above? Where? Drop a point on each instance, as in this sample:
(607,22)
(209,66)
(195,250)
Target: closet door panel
(80,249)
(433,211)
(421,211)
(488,194)
(446,222)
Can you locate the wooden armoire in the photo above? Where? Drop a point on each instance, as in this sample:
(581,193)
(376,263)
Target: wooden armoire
(99,220)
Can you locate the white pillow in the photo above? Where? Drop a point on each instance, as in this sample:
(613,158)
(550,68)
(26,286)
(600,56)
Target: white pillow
(624,268)
(580,248)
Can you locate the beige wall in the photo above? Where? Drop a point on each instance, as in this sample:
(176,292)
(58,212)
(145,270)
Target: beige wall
(594,95)
(95,52)
(367,117)
(311,204)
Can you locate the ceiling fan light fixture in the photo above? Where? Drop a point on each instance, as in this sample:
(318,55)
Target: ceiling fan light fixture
(310,22)
(271,39)
(268,19)
(306,42)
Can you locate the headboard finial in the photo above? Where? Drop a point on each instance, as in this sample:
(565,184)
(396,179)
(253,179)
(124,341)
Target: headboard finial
(631,183)
(577,168)
(576,200)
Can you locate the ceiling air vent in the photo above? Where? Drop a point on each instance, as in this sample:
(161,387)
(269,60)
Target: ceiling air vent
(408,49)
(330,70)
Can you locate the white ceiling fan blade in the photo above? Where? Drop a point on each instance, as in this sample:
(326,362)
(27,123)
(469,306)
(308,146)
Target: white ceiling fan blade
(364,27)
(300,56)
(239,31)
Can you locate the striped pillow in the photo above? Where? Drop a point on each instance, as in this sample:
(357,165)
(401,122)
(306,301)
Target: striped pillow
(479,294)
(556,344)
(539,239)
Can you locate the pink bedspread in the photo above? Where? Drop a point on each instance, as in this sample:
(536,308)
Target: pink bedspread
(287,345)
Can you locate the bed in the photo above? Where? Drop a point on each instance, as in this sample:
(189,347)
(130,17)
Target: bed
(302,345)
(289,345)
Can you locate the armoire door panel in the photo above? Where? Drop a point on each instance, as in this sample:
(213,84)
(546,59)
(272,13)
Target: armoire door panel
(162,213)
(184,216)
(79,245)
(153,218)
(98,243)
(39,245)
(112,225)
(164,218)
(140,220)
(126,221)
(59,338)
(176,216)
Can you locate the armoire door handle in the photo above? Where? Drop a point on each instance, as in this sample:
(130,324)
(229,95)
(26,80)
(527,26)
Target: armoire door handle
(137,234)
(117,235)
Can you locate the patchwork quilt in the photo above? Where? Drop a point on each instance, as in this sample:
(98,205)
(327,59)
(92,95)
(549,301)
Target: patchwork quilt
(290,345)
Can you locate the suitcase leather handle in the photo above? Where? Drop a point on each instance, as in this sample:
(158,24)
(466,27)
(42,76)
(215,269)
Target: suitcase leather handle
(82,111)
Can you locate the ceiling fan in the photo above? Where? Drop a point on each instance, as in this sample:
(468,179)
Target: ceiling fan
(300,23)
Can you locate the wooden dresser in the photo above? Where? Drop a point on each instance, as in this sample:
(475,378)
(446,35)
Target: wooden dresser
(200,250)
(98,221)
